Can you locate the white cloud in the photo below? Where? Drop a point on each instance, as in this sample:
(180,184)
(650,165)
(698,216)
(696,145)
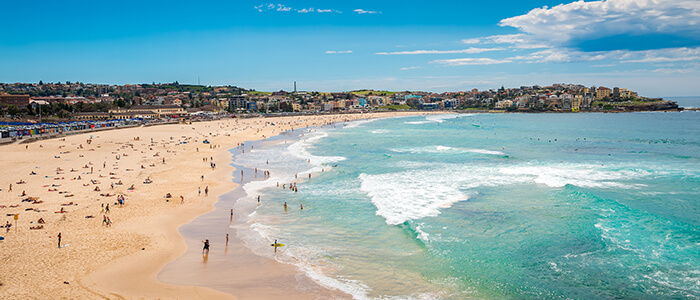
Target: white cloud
(519,40)
(470,61)
(410,68)
(362,11)
(665,55)
(284,8)
(470,51)
(565,55)
(676,70)
(281,7)
(338,52)
(472,41)
(581,21)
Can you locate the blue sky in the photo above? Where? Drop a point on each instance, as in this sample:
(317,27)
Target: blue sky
(649,46)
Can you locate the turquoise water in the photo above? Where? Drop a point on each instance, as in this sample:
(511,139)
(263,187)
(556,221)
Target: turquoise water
(495,206)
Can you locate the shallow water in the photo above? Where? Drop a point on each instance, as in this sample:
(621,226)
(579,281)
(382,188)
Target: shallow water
(498,206)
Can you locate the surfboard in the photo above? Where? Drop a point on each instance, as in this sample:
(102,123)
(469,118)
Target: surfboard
(1,238)
(66,245)
(278,245)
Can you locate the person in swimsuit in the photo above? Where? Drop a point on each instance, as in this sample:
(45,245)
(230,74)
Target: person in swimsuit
(206,247)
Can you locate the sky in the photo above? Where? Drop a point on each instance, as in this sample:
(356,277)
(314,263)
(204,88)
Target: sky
(649,46)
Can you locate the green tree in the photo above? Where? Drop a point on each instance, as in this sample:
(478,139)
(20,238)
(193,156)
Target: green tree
(64,114)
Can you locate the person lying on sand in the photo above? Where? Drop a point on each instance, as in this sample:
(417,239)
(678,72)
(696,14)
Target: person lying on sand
(131,188)
(21,181)
(67,204)
(62,211)
(37,227)
(41,221)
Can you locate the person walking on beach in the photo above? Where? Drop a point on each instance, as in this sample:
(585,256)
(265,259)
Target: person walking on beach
(227,239)
(59,240)
(231,216)
(206,191)
(206,247)
(199,191)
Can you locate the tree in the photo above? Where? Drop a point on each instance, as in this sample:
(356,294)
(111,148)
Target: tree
(41,82)
(64,114)
(12,110)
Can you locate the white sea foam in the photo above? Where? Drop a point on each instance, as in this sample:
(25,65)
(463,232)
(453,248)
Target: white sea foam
(381,131)
(423,192)
(409,195)
(445,149)
(358,123)
(434,119)
(579,175)
(300,148)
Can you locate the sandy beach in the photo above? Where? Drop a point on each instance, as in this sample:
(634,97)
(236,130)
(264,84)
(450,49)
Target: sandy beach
(72,186)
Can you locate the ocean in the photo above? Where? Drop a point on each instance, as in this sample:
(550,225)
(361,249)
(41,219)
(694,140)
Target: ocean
(686,102)
(484,206)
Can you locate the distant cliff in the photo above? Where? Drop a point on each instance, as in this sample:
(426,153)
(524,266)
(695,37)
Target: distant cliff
(648,106)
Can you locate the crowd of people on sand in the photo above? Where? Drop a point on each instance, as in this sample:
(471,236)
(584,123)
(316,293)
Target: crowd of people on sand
(159,151)
(94,184)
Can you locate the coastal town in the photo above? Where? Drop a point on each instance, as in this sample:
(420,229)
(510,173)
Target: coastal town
(85,101)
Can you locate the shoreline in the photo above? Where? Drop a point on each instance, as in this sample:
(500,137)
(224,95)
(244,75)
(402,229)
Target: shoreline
(121,261)
(235,268)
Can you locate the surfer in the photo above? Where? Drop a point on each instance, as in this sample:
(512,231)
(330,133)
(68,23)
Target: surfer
(275,246)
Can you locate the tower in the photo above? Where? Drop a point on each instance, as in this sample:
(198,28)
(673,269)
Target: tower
(295,87)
